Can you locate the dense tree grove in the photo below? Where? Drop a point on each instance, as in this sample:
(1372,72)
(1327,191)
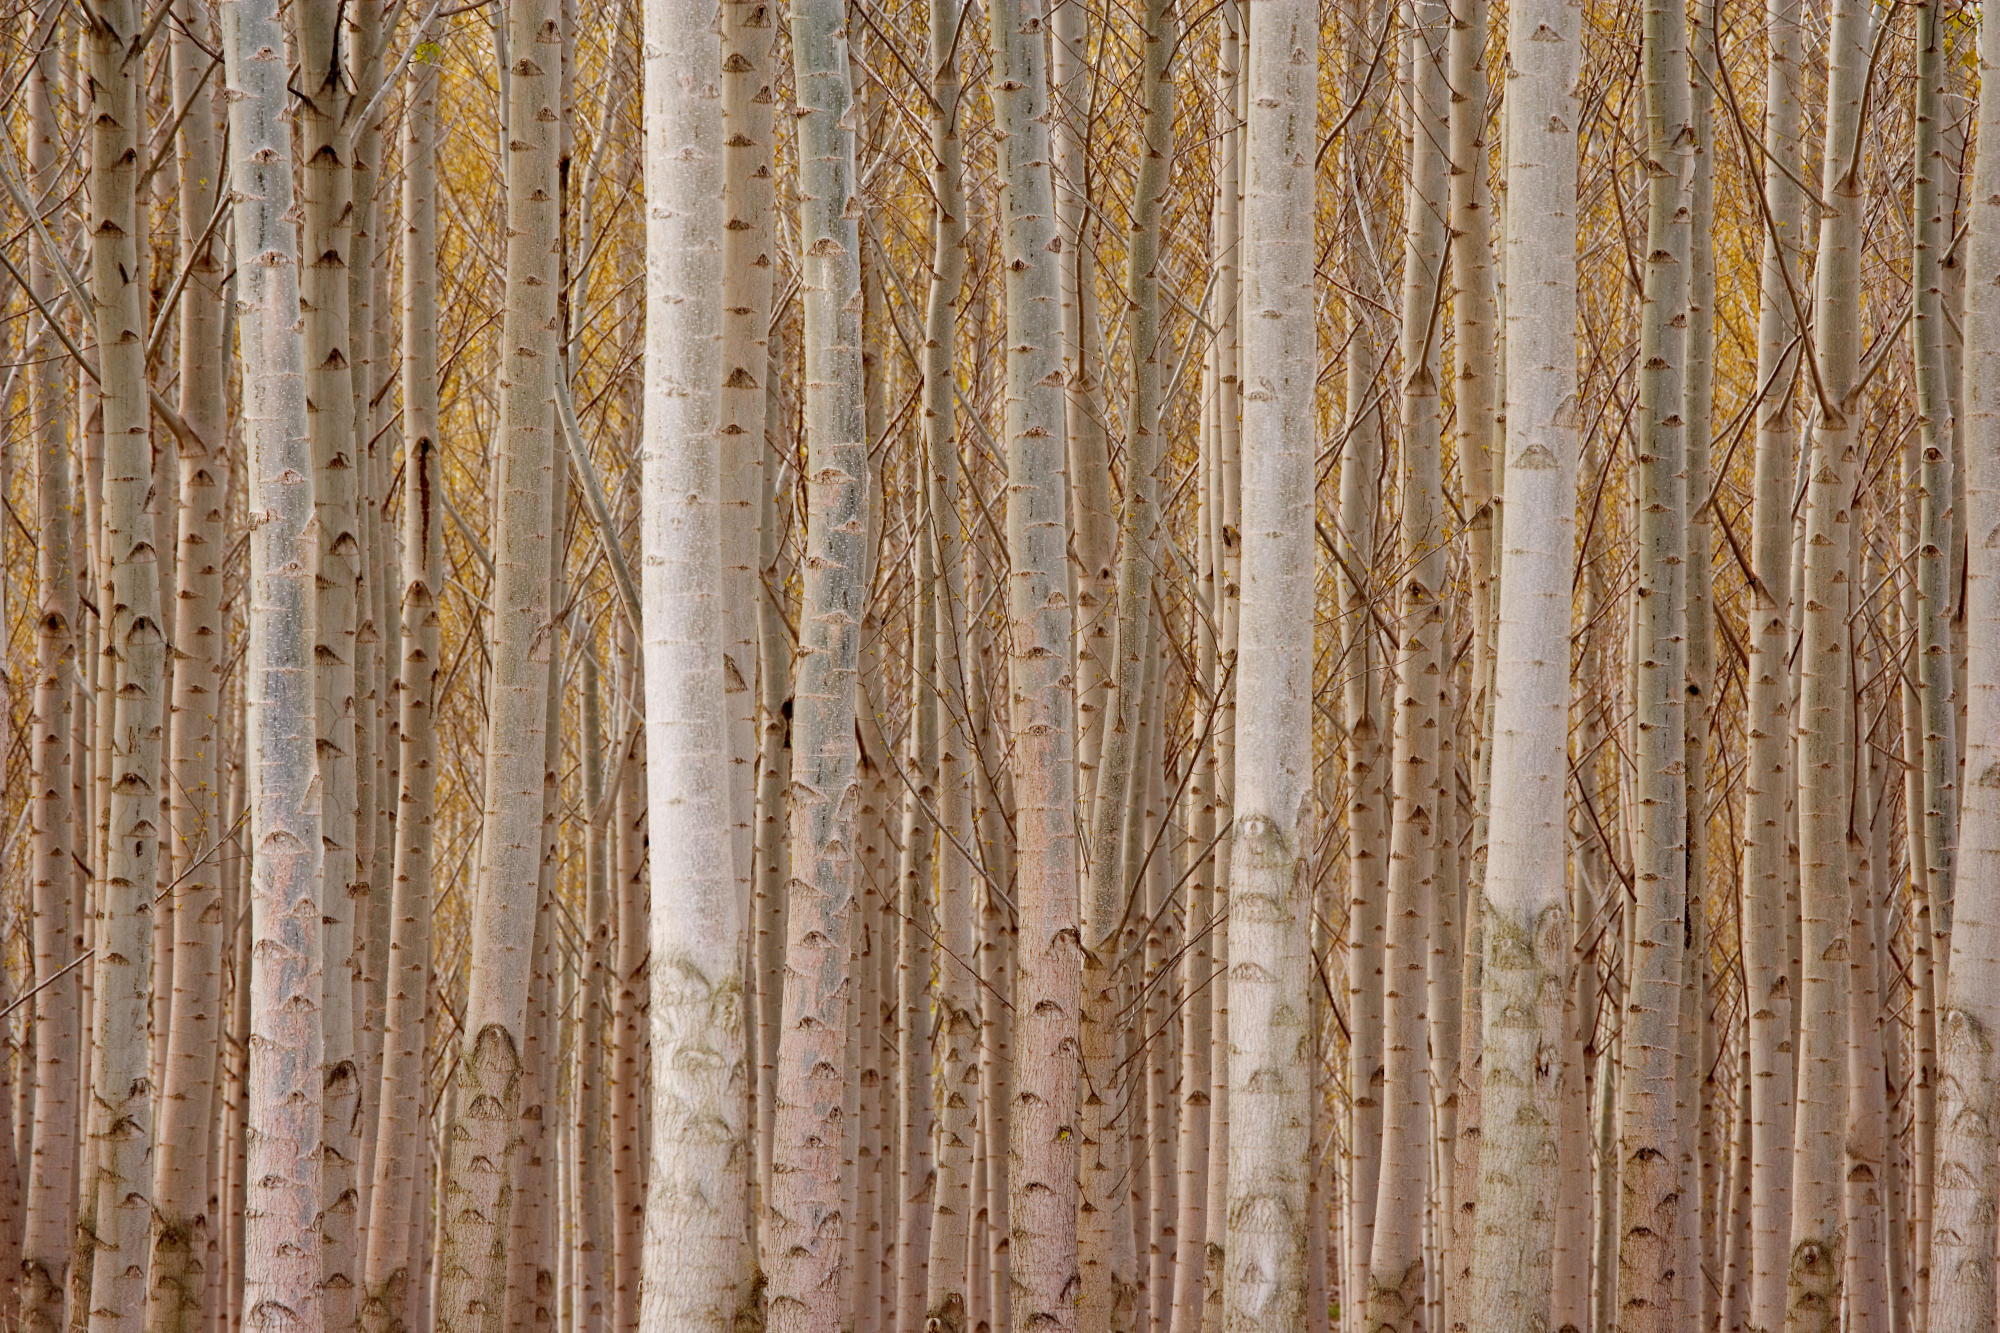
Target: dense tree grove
(945,666)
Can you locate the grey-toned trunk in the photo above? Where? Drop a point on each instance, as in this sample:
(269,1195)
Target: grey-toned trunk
(47,1230)
(700,1150)
(178,1285)
(1650,1202)
(479,1176)
(807,1234)
(1041,1179)
(392,1271)
(1963,1238)
(281,1242)
(1119,785)
(327,189)
(1768,745)
(1272,1047)
(1817,1253)
(1397,1278)
(1527,931)
(747,69)
(113,1232)
(947,1295)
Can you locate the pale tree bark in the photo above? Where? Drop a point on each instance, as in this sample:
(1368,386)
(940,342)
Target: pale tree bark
(1396,1283)
(1816,1258)
(1963,1235)
(327,190)
(1118,788)
(1476,367)
(806,1237)
(590,1306)
(178,1285)
(1768,745)
(1527,930)
(1362,693)
(47,1226)
(1650,1202)
(1226,218)
(947,1297)
(478,1188)
(392,1272)
(281,1242)
(700,1150)
(1042,1160)
(747,68)
(1093,515)
(774,766)
(628,1039)
(1938,829)
(371,317)
(1271,1057)
(114,1231)
(1930,728)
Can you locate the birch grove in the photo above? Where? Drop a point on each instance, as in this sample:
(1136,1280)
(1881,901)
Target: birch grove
(945,666)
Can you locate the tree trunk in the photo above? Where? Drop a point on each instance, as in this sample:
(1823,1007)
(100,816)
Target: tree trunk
(48,1227)
(1396,1278)
(1768,744)
(281,1242)
(1963,1236)
(1817,1258)
(113,1235)
(807,1240)
(694,1226)
(1526,932)
(947,1296)
(1271,1067)
(1041,1179)
(486,1122)
(178,1286)
(392,1272)
(1650,1203)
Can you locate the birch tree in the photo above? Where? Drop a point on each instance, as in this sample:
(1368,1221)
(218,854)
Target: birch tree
(47,1231)
(281,1271)
(1526,930)
(1042,1151)
(117,1211)
(391,1272)
(1962,1295)
(806,1235)
(1396,1270)
(698,1187)
(178,1286)
(479,1177)
(1271,1009)
(1818,1239)
(1768,779)
(1650,1202)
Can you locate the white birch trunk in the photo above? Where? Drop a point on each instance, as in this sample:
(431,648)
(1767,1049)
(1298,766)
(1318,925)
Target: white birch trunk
(178,1286)
(1817,1255)
(48,1226)
(1526,927)
(1271,1056)
(1041,1179)
(281,1241)
(391,1272)
(807,1235)
(1963,1236)
(947,1297)
(478,1187)
(114,1231)
(700,1151)
(1768,748)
